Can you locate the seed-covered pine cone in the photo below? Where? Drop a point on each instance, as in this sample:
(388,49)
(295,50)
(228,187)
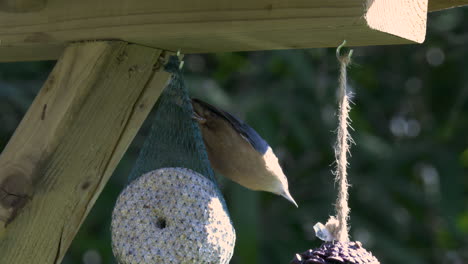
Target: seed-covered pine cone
(336,253)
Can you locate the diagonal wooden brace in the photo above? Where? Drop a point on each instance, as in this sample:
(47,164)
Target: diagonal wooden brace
(69,143)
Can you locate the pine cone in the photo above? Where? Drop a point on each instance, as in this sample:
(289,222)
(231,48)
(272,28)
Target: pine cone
(336,253)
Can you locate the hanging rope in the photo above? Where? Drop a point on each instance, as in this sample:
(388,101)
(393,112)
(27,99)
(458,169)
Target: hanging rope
(342,146)
(337,247)
(336,228)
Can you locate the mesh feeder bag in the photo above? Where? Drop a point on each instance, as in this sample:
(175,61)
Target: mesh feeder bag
(172,210)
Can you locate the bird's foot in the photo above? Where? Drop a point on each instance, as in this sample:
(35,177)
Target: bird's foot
(198,118)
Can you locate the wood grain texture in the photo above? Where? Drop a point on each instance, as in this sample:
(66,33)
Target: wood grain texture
(404,18)
(22,5)
(435,5)
(204,26)
(69,143)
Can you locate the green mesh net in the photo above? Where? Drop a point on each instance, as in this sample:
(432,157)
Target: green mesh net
(171,210)
(175,139)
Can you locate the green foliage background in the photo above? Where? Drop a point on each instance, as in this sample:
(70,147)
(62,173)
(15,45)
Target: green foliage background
(408,171)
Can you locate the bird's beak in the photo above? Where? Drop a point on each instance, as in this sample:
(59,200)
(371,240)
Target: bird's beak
(288,197)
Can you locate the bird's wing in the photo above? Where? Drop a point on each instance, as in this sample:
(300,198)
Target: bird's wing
(247,132)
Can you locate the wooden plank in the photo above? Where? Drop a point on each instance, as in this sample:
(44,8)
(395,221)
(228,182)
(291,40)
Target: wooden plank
(408,22)
(22,5)
(69,143)
(33,53)
(436,5)
(211,25)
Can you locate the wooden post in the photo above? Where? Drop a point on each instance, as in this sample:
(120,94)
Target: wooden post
(69,143)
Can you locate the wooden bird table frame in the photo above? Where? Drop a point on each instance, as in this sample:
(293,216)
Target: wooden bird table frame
(109,74)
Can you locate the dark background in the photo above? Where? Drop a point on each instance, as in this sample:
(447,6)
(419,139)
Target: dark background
(408,170)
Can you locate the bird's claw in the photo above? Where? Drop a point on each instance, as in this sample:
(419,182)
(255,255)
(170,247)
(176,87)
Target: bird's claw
(198,118)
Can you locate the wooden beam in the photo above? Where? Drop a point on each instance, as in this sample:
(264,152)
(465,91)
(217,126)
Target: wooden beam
(212,25)
(22,5)
(404,18)
(436,5)
(69,143)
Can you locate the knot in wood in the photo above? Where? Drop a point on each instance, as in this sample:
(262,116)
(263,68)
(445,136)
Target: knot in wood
(15,191)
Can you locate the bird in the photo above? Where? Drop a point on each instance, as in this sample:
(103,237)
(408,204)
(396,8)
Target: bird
(238,152)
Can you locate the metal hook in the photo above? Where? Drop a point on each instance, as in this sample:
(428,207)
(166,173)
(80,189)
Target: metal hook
(338,50)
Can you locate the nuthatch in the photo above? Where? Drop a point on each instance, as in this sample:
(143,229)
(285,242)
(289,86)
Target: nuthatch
(237,151)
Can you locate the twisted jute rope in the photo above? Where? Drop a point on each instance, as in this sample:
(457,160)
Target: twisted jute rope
(338,226)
